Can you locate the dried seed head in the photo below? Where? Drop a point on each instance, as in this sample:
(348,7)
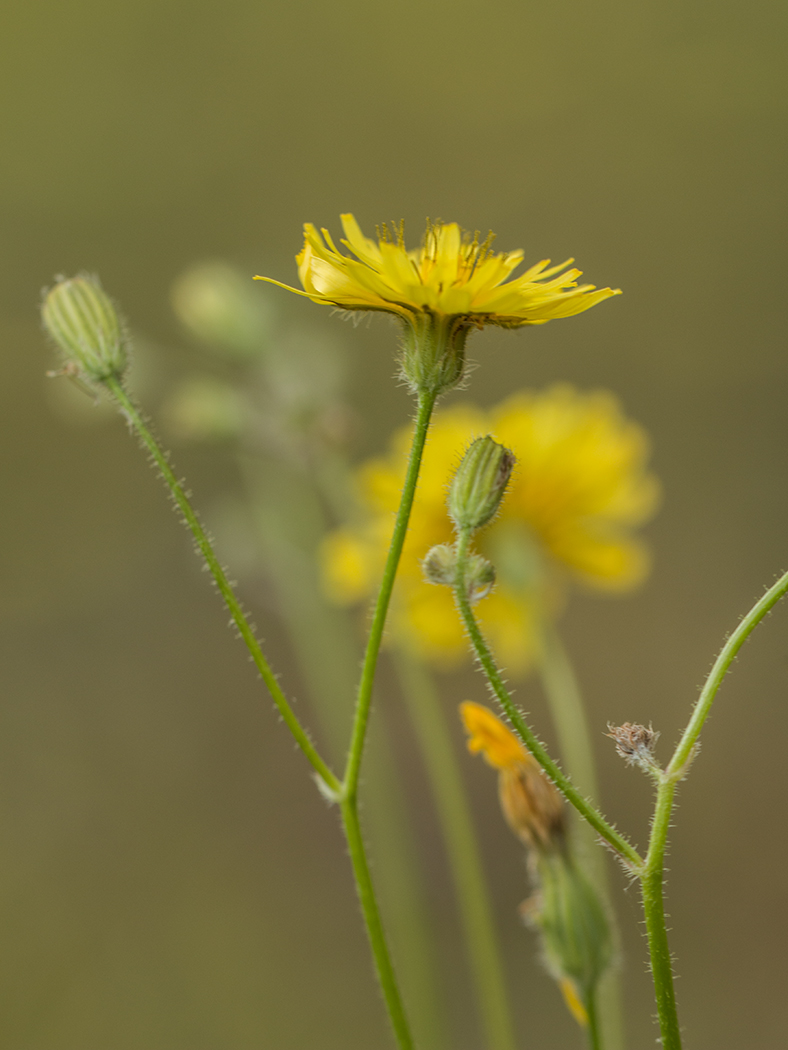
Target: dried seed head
(635,743)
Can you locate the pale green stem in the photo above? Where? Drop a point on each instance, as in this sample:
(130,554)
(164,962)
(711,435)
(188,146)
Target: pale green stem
(192,522)
(462,848)
(621,845)
(291,522)
(574,740)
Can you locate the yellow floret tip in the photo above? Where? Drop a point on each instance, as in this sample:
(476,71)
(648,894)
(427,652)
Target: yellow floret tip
(488,735)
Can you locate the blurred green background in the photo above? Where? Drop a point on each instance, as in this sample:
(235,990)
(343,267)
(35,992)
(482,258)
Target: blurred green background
(170,878)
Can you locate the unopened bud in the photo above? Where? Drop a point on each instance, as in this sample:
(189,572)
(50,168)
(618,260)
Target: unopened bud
(479,577)
(478,486)
(440,565)
(82,320)
(635,744)
(574,928)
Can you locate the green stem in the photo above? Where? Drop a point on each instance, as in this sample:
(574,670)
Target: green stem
(349,788)
(683,752)
(371,912)
(364,699)
(574,740)
(654,910)
(594,1030)
(652,875)
(462,847)
(291,522)
(620,844)
(159,457)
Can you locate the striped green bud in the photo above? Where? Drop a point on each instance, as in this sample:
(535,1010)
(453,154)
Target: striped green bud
(478,486)
(82,320)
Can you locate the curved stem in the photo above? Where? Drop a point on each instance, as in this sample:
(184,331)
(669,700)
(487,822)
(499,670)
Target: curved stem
(364,700)
(654,911)
(371,912)
(462,848)
(620,844)
(192,522)
(683,752)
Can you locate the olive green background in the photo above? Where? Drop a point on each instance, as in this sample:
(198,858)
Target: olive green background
(169,877)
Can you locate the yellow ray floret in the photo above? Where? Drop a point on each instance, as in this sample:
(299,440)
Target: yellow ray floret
(451,274)
(488,736)
(579,489)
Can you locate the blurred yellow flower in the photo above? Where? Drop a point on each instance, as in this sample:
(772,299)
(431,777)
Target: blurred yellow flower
(489,736)
(531,804)
(452,275)
(579,487)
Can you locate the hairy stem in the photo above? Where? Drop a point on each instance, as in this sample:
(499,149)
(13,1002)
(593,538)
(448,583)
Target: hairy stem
(375,932)
(651,881)
(683,752)
(621,845)
(364,699)
(205,548)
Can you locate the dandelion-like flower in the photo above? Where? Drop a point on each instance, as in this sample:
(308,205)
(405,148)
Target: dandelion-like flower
(454,282)
(579,488)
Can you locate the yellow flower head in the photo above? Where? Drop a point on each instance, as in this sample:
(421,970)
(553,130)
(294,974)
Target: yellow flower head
(579,488)
(452,274)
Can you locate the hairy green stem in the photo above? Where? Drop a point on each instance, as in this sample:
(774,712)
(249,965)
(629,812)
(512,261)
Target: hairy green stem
(651,881)
(652,876)
(595,1041)
(683,752)
(621,845)
(574,740)
(375,932)
(364,699)
(462,848)
(348,794)
(205,548)
(291,522)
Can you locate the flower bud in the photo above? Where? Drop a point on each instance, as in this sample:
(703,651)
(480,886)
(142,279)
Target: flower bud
(440,565)
(82,320)
(478,486)
(479,577)
(574,929)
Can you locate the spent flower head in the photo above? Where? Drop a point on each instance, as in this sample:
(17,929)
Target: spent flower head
(453,283)
(579,489)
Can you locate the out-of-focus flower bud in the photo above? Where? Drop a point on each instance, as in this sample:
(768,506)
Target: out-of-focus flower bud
(479,577)
(635,743)
(222,307)
(478,486)
(82,320)
(574,929)
(440,564)
(204,409)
